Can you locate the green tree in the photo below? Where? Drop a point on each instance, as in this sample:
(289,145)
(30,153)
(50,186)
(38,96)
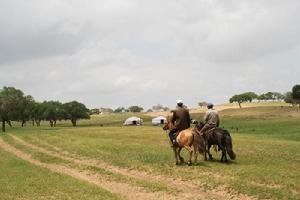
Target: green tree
(119,110)
(157,107)
(27,109)
(166,108)
(278,96)
(75,111)
(244,97)
(95,111)
(106,110)
(160,107)
(52,111)
(296,94)
(135,109)
(38,113)
(289,98)
(250,96)
(10,104)
(274,96)
(202,104)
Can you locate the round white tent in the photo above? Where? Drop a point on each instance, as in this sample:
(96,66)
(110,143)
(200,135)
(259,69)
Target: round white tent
(159,120)
(133,121)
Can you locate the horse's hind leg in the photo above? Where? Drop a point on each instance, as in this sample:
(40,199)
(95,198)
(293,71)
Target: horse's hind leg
(180,157)
(224,157)
(190,150)
(195,153)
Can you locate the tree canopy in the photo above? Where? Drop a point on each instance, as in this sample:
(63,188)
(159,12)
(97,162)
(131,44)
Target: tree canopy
(11,100)
(135,109)
(296,92)
(74,111)
(14,106)
(244,97)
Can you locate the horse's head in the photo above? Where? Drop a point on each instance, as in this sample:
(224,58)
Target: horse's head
(169,125)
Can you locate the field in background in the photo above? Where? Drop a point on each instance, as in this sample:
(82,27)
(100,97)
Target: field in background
(266,140)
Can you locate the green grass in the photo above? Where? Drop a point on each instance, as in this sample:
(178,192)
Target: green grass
(42,157)
(266,140)
(21,180)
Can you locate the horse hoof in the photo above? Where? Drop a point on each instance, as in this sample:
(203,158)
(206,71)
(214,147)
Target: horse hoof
(189,163)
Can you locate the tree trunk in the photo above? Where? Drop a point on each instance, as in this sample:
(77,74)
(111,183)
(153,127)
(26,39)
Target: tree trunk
(3,125)
(73,122)
(23,123)
(32,122)
(240,105)
(38,122)
(54,123)
(51,123)
(9,123)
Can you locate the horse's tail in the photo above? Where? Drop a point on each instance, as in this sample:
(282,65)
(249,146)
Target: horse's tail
(228,144)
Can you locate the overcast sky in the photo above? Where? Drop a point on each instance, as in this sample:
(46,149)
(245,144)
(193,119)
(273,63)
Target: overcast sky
(110,53)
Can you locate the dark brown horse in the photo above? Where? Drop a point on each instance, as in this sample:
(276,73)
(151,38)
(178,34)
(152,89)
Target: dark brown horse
(221,138)
(186,139)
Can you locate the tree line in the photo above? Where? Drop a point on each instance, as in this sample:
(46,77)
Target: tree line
(133,109)
(97,111)
(16,106)
(292,97)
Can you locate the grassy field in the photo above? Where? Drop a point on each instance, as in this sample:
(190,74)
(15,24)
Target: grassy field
(139,160)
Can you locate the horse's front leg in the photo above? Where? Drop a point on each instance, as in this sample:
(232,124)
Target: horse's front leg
(209,154)
(175,155)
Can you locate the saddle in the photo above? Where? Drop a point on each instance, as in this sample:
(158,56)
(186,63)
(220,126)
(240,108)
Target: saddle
(211,131)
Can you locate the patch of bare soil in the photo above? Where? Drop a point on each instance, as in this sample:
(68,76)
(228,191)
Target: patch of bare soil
(190,190)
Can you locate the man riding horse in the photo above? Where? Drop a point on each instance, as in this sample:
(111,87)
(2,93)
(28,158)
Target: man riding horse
(211,119)
(181,121)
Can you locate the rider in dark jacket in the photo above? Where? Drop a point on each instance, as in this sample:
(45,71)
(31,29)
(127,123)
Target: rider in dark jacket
(181,121)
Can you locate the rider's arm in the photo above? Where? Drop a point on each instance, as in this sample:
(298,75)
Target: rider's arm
(205,118)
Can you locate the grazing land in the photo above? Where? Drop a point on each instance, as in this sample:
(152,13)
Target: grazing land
(101,159)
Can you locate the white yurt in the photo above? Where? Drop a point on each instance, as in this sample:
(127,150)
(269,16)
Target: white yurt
(159,120)
(133,121)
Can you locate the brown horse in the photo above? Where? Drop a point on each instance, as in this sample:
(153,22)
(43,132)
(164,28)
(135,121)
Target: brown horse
(219,137)
(186,139)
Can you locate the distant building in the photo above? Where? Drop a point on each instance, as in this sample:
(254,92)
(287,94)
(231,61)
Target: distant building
(159,120)
(133,121)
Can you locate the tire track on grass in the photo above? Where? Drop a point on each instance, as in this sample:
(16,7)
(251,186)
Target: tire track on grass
(188,189)
(122,189)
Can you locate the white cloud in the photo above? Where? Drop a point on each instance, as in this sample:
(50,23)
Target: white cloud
(114,53)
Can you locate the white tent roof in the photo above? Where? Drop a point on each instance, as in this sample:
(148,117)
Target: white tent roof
(133,119)
(157,120)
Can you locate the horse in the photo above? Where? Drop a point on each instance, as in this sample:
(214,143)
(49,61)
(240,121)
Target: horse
(186,139)
(219,137)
